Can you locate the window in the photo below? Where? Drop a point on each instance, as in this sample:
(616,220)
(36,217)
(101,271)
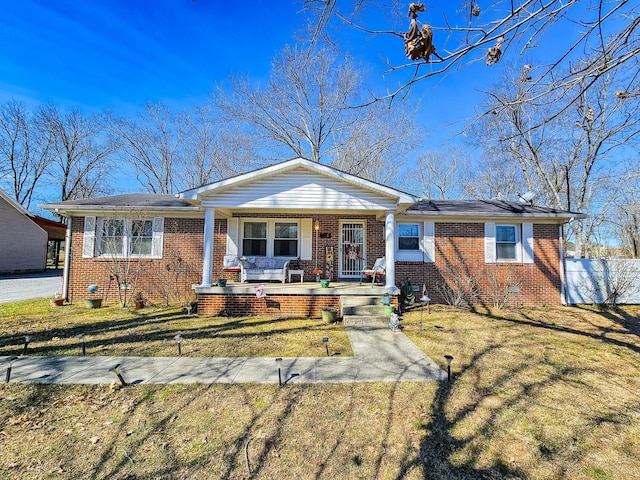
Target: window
(141,237)
(270,238)
(112,237)
(285,243)
(254,241)
(124,237)
(408,236)
(507,240)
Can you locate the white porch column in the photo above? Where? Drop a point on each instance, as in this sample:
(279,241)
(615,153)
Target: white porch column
(207,254)
(390,249)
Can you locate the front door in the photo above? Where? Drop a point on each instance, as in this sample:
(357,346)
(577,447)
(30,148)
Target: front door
(352,249)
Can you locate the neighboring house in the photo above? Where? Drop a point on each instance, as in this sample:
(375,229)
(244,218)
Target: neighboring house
(23,244)
(315,216)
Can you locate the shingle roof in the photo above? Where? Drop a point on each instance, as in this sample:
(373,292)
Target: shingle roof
(485,208)
(128,200)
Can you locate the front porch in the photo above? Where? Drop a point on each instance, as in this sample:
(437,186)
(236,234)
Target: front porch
(299,299)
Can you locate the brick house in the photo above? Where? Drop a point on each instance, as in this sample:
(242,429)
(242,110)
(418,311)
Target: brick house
(315,217)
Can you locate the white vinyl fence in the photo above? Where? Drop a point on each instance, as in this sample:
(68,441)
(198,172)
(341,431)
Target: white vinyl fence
(599,280)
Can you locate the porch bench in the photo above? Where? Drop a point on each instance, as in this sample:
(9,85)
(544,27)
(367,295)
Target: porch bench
(264,268)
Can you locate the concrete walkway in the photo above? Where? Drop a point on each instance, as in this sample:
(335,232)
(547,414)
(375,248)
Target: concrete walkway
(380,356)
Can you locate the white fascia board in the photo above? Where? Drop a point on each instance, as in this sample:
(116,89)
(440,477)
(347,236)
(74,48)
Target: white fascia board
(448,217)
(81,211)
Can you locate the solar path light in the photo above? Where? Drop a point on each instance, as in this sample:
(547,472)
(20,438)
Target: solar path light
(115,370)
(448,358)
(11,360)
(177,338)
(27,339)
(325,340)
(84,347)
(279,361)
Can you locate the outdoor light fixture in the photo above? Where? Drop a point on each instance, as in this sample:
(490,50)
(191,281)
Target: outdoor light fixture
(177,338)
(448,358)
(27,339)
(279,361)
(326,344)
(84,348)
(114,369)
(11,360)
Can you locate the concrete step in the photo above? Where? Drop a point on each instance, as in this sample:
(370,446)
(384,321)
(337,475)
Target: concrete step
(353,300)
(359,320)
(364,310)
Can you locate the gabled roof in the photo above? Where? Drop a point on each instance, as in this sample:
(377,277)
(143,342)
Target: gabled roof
(293,164)
(486,209)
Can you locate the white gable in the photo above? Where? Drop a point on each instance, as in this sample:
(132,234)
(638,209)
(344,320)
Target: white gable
(299,190)
(301,185)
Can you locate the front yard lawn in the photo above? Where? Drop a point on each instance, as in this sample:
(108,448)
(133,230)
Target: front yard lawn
(547,393)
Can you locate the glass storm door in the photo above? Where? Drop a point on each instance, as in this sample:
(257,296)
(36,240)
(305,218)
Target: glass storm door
(352,249)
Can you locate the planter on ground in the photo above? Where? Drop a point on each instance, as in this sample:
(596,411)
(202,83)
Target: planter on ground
(93,302)
(329,315)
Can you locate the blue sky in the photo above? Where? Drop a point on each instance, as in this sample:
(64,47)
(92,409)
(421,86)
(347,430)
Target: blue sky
(120,54)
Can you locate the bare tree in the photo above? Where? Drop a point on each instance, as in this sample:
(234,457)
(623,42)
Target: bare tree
(80,151)
(437,41)
(212,149)
(24,151)
(307,109)
(152,145)
(441,174)
(566,155)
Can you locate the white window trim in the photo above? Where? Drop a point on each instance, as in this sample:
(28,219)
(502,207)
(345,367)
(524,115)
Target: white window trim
(271,234)
(416,255)
(93,237)
(524,243)
(518,243)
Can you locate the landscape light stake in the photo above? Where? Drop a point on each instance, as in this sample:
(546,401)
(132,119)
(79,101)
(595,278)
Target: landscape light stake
(11,360)
(177,339)
(279,361)
(326,344)
(448,358)
(27,339)
(84,347)
(114,369)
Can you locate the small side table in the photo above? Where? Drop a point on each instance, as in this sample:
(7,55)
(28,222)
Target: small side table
(296,272)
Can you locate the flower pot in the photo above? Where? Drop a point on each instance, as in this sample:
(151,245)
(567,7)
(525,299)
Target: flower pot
(139,304)
(329,316)
(93,302)
(324,283)
(222,282)
(388,310)
(56,302)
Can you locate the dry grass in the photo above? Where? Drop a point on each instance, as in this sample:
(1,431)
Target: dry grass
(150,332)
(536,394)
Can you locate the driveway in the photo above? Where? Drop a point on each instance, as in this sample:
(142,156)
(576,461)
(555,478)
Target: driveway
(24,286)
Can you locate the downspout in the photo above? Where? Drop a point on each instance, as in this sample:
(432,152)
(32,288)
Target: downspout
(563,292)
(67,260)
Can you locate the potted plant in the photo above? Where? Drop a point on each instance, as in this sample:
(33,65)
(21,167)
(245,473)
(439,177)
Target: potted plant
(93,301)
(138,300)
(329,315)
(57,300)
(317,272)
